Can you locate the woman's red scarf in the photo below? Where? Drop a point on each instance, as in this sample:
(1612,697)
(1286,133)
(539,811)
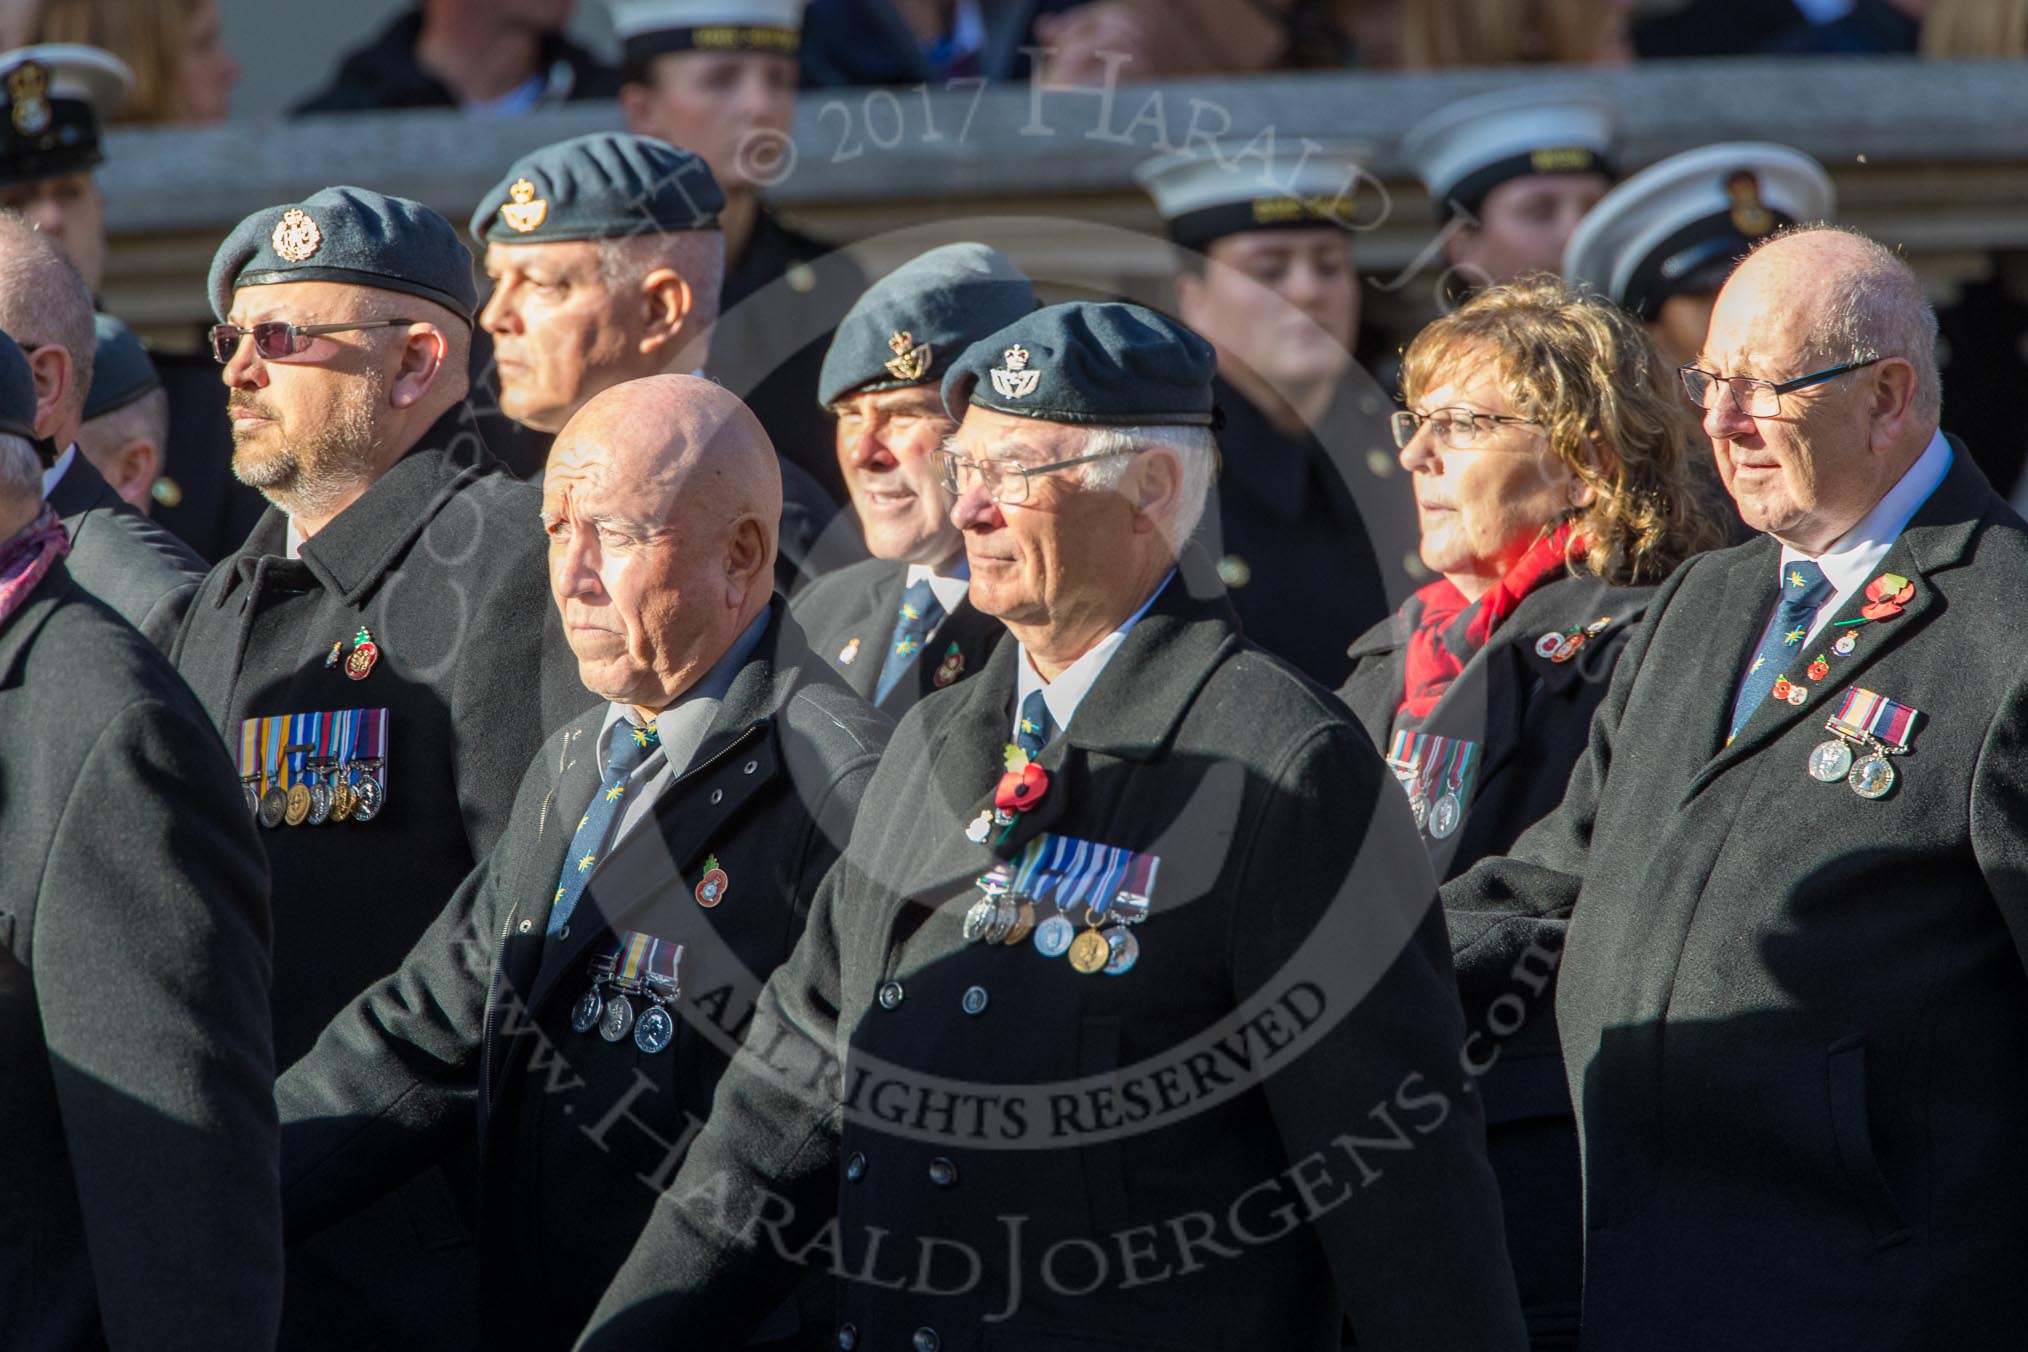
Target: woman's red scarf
(1445,630)
(27,555)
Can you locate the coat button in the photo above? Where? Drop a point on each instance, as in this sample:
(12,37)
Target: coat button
(926,1340)
(855,1168)
(975,1000)
(563,933)
(718,795)
(525,926)
(890,995)
(752,766)
(848,1337)
(943,1173)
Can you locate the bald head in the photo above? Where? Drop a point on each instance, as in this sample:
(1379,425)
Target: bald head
(662,501)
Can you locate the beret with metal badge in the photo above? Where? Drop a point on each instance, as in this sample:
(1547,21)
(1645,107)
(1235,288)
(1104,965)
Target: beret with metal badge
(1097,363)
(349,235)
(912,324)
(608,185)
(122,370)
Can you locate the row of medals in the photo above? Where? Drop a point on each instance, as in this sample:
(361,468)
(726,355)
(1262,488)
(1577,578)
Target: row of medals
(1833,760)
(1001,917)
(1439,818)
(613,1013)
(343,798)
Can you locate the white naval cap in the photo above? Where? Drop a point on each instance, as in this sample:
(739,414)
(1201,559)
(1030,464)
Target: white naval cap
(1466,149)
(648,28)
(1679,225)
(1231,187)
(53,99)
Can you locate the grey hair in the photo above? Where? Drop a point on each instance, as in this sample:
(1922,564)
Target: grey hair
(697,256)
(20,470)
(44,300)
(1878,309)
(1196,452)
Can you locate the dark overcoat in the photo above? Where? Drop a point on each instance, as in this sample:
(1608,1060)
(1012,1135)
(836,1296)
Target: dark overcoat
(137,567)
(1529,717)
(476,1028)
(853,611)
(1795,1019)
(136,1119)
(1014,1155)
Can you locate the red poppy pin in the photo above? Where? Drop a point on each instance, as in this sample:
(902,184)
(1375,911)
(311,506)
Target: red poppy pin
(1886,595)
(1819,668)
(1023,785)
(711,887)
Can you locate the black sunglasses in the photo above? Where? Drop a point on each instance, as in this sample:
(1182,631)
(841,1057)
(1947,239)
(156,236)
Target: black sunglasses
(276,339)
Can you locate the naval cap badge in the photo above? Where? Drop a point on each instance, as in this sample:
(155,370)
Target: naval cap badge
(911,361)
(1015,380)
(1749,214)
(28,91)
(296,236)
(524,211)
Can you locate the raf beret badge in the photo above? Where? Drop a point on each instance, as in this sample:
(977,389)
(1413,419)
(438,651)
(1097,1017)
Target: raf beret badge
(526,211)
(911,360)
(296,236)
(28,91)
(1015,380)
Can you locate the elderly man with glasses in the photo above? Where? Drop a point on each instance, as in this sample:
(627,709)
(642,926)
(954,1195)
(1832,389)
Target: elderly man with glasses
(380,654)
(1794,863)
(1104,1022)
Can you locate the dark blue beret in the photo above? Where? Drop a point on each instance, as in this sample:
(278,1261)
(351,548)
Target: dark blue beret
(17,391)
(348,235)
(913,323)
(608,185)
(1097,363)
(122,371)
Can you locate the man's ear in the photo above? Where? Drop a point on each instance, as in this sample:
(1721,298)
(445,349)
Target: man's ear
(749,561)
(133,469)
(422,360)
(1154,485)
(1893,401)
(54,372)
(668,300)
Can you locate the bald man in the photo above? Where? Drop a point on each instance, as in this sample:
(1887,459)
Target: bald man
(578,999)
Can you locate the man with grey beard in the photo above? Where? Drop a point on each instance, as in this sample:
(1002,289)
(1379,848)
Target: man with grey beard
(380,655)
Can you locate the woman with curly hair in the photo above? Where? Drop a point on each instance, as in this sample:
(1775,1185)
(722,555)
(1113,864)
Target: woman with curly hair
(1554,488)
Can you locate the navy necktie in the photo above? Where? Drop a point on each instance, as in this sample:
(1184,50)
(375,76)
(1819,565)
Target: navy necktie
(1804,589)
(627,746)
(1036,727)
(919,616)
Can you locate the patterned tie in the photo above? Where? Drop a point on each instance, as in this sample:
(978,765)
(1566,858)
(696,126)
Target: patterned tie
(1036,726)
(919,615)
(1804,588)
(626,747)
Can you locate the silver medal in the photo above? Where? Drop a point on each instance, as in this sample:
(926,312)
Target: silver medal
(1445,816)
(1872,777)
(1420,807)
(618,1019)
(1054,936)
(979,919)
(1830,761)
(1126,951)
(320,802)
(584,1015)
(655,1030)
(370,798)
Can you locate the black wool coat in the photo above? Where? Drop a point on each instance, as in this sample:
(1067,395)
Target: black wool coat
(1529,717)
(1796,1020)
(474,1031)
(137,1121)
(935,1119)
(141,570)
(853,611)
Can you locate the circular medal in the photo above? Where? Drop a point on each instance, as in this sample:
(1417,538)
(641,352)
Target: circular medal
(1419,805)
(274,806)
(367,799)
(655,1031)
(1547,645)
(1830,761)
(618,1019)
(1024,924)
(1053,936)
(584,1015)
(1445,816)
(297,810)
(1005,912)
(343,801)
(1845,644)
(1872,777)
(360,664)
(320,803)
(253,796)
(1090,952)
(1124,951)
(979,919)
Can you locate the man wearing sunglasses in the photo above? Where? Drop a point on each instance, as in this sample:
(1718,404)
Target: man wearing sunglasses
(380,652)
(1115,846)
(1793,863)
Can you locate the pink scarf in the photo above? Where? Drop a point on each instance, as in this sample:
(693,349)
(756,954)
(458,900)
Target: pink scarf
(27,556)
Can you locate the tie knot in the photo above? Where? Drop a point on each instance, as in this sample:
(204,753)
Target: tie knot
(629,745)
(1804,584)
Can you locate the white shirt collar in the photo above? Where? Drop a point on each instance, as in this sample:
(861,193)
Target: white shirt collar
(53,476)
(1851,562)
(949,586)
(1075,681)
(292,541)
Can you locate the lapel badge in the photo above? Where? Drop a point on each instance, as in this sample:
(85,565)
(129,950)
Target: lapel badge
(711,887)
(848,652)
(365,652)
(524,210)
(1819,668)
(911,361)
(28,90)
(1886,595)
(331,658)
(1015,380)
(1845,644)
(981,827)
(296,236)
(952,667)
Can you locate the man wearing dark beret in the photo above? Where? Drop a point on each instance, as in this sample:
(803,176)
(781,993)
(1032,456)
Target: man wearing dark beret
(379,654)
(139,1123)
(126,415)
(608,263)
(898,625)
(1106,1021)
